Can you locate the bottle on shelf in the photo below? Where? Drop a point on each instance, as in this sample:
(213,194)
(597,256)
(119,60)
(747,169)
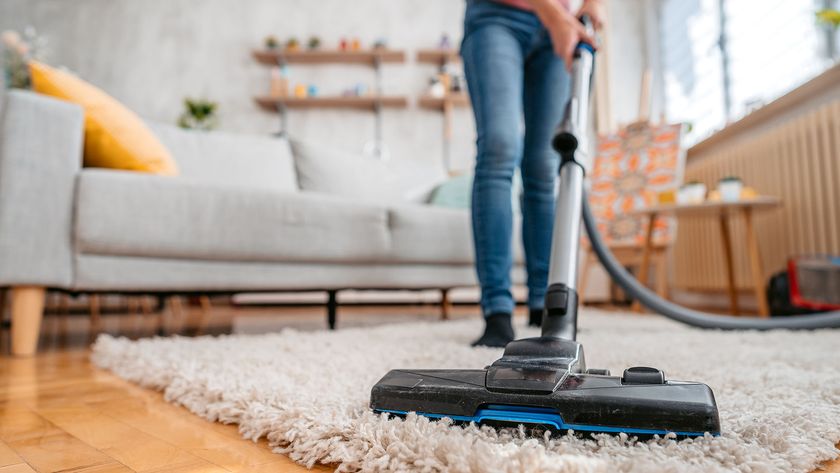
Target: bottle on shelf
(279,85)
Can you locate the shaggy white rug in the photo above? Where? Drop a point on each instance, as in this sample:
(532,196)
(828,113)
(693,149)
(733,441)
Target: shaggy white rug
(307,392)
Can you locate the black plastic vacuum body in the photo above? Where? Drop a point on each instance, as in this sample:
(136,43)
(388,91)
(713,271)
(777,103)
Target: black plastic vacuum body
(544,381)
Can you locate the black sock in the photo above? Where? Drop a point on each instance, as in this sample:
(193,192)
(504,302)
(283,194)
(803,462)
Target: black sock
(535,317)
(498,331)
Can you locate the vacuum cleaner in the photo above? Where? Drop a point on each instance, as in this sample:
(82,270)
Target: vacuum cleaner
(544,382)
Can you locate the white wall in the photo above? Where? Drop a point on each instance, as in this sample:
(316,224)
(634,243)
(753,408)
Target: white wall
(150,54)
(629,56)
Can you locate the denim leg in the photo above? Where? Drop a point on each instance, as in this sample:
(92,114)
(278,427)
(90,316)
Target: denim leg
(493,64)
(546,92)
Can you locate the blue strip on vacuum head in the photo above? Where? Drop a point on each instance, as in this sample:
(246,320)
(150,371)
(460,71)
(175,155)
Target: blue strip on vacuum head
(543,416)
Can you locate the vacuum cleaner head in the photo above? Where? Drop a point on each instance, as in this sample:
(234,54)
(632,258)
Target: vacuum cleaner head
(554,392)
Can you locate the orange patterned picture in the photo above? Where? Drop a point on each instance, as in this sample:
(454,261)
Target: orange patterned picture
(632,167)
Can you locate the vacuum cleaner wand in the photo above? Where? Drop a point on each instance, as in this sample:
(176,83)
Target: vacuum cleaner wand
(571,143)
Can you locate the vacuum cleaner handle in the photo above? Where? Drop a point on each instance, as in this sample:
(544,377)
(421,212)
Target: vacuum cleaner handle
(571,135)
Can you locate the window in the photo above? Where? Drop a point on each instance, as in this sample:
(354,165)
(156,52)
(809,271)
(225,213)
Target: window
(769,47)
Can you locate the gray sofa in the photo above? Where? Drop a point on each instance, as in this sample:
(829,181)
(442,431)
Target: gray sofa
(239,218)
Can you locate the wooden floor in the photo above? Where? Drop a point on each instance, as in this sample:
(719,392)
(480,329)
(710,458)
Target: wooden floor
(60,414)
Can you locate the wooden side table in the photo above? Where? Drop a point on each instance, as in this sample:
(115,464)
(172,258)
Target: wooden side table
(721,211)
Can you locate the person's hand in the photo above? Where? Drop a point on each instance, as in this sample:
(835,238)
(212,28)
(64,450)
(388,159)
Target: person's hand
(596,12)
(565,30)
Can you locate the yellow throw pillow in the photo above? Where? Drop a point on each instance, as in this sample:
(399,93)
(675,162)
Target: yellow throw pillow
(115,137)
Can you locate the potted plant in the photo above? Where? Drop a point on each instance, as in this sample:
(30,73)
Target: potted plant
(18,50)
(314,43)
(271,42)
(692,192)
(292,45)
(730,188)
(198,114)
(831,18)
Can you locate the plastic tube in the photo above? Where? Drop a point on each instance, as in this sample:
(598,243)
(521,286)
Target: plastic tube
(688,316)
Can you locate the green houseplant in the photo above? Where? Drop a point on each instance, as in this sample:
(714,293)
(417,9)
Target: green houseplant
(199,114)
(829,16)
(271,42)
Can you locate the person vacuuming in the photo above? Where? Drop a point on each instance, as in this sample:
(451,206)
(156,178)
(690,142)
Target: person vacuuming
(517,55)
(544,381)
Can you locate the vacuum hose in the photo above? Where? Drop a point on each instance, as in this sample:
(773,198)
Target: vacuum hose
(695,318)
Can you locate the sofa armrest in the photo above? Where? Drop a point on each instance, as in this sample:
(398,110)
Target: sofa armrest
(41,143)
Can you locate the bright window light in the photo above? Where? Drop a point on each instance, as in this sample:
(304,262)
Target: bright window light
(771,47)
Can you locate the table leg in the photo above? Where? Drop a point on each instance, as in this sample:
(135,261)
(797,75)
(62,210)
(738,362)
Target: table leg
(661,273)
(726,236)
(755,264)
(646,251)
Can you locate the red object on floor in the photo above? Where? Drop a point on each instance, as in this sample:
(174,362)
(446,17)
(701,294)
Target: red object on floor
(815,282)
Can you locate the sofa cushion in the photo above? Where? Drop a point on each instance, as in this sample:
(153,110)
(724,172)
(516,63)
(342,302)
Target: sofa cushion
(427,234)
(231,159)
(128,214)
(332,171)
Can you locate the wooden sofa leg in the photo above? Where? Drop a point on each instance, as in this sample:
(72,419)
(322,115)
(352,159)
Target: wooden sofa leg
(27,312)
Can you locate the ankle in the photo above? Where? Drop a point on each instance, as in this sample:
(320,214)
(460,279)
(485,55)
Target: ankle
(535,317)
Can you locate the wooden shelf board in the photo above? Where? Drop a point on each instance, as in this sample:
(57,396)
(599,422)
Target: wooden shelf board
(437,103)
(363,103)
(438,56)
(366,57)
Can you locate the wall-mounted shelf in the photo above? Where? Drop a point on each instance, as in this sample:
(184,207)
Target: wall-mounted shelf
(374,58)
(368,57)
(446,104)
(360,103)
(438,56)
(440,103)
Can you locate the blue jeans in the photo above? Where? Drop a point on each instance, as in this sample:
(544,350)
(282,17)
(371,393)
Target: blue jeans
(514,78)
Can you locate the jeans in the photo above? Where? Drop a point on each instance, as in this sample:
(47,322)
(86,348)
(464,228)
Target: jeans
(514,79)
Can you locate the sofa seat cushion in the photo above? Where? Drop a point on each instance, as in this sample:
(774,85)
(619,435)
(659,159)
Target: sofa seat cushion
(130,214)
(428,234)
